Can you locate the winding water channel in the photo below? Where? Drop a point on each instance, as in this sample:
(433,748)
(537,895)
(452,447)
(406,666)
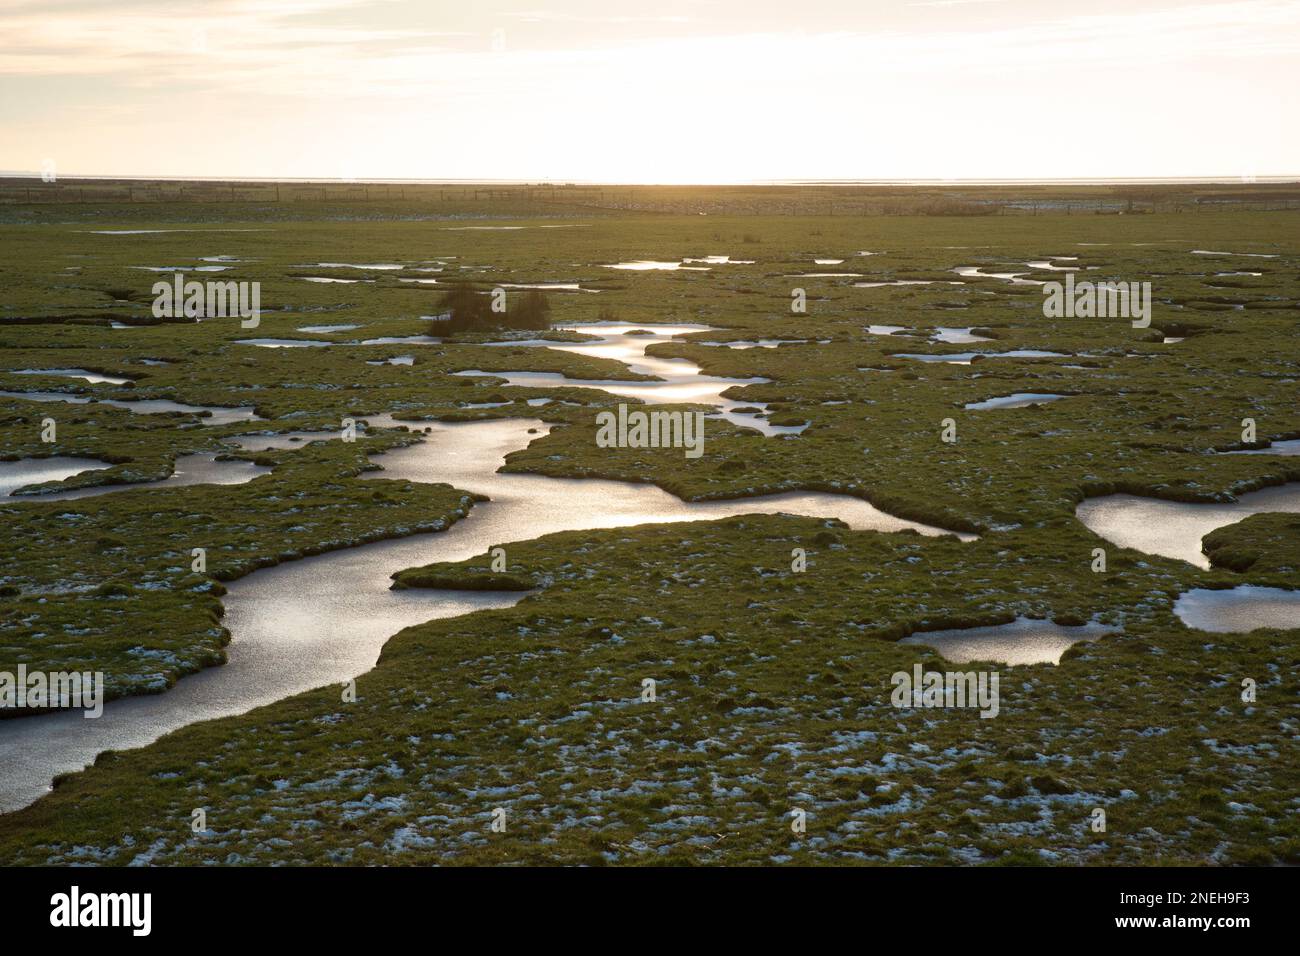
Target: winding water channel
(323,620)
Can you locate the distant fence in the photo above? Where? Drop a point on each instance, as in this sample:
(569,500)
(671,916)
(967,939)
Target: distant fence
(935,200)
(34,191)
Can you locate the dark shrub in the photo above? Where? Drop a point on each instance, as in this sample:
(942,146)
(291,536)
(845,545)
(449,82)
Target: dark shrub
(468,309)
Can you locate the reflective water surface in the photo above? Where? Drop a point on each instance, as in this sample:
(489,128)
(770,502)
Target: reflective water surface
(1024,641)
(198,469)
(34,471)
(323,619)
(92,377)
(1289,447)
(676,379)
(1174,529)
(1016,400)
(145,406)
(1239,609)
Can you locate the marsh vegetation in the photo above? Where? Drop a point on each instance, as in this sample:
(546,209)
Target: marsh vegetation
(773,684)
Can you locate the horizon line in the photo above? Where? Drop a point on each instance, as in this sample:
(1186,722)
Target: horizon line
(1272,179)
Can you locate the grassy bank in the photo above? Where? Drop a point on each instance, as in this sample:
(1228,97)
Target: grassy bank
(772,687)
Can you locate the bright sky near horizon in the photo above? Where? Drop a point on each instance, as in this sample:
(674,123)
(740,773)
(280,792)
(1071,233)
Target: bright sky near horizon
(659,92)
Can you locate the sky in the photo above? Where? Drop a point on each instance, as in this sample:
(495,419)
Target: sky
(711,91)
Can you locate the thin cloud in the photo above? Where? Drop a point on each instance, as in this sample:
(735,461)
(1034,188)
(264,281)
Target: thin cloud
(623,102)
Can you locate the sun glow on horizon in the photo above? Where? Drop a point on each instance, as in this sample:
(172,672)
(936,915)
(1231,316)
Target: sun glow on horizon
(698,93)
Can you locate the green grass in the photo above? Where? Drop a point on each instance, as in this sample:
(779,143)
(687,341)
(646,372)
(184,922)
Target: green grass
(536,708)
(1266,545)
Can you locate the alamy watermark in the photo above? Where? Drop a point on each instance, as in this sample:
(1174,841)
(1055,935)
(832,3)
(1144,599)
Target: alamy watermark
(946,689)
(640,429)
(75,908)
(1098,300)
(64,690)
(208,300)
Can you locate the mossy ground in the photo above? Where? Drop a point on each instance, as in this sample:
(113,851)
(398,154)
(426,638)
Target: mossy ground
(773,688)
(1266,545)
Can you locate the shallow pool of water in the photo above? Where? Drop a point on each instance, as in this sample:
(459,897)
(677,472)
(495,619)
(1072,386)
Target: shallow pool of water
(877,285)
(958,336)
(1015,278)
(651,265)
(1174,529)
(401,340)
(758,344)
(1024,641)
(381,266)
(676,380)
(284,343)
(35,471)
(1015,400)
(1239,610)
(546,286)
(1289,447)
(964,358)
(199,469)
(181,268)
(89,376)
(1050,264)
(262,442)
(145,406)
